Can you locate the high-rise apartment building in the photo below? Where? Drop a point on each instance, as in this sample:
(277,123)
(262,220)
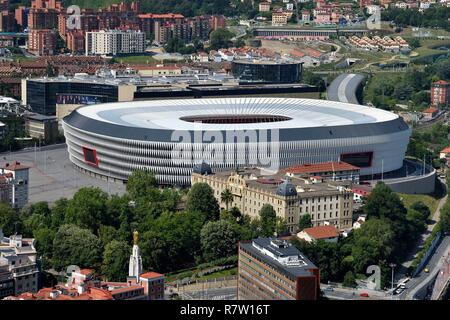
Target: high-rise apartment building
(440,93)
(113,42)
(42,41)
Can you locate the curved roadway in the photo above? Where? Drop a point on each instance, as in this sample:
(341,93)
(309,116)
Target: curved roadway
(344,88)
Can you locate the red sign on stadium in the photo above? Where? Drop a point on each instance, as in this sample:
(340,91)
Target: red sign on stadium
(360,159)
(90,156)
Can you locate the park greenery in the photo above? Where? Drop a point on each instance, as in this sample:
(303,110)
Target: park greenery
(441,227)
(434,17)
(412,87)
(177,230)
(188,8)
(180,231)
(388,234)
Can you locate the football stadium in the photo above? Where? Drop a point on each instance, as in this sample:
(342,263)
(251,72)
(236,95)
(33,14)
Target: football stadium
(171,137)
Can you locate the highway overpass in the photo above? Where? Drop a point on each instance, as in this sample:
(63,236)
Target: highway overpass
(345,87)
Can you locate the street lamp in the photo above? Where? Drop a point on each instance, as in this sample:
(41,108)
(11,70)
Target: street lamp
(392,265)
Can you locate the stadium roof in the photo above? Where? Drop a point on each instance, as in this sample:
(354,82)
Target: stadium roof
(234,114)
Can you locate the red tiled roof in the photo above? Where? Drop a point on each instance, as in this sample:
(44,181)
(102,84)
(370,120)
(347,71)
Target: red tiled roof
(85,272)
(430,110)
(445,150)
(126,289)
(322,232)
(441,82)
(14,166)
(321,167)
(151,275)
(362,189)
(297,53)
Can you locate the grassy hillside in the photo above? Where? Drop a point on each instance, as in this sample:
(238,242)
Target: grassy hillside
(91,4)
(185,7)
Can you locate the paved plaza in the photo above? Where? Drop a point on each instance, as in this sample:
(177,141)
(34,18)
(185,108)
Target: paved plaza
(52,175)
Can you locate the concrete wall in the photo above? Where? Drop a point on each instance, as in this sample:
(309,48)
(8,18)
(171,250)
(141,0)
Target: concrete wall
(63,110)
(126,92)
(414,185)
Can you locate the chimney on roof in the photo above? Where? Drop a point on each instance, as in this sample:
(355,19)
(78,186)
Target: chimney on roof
(54,294)
(81,289)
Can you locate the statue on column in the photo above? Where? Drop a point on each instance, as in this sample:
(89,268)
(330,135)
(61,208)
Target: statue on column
(135,266)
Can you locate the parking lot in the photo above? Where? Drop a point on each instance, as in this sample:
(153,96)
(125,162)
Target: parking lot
(52,175)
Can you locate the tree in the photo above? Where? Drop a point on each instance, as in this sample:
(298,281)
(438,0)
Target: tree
(383,203)
(414,43)
(236,213)
(239,43)
(268,220)
(201,199)
(44,245)
(313,79)
(218,240)
(422,208)
(76,246)
(349,280)
(87,208)
(172,241)
(140,183)
(178,45)
(281,227)
(444,221)
(39,216)
(220,38)
(227,197)
(10,221)
(58,213)
(373,242)
(304,222)
(115,260)
(417,220)
(107,234)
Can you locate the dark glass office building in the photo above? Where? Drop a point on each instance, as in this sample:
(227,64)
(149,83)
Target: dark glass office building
(266,71)
(42,94)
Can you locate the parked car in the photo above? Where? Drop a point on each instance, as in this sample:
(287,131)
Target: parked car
(364,295)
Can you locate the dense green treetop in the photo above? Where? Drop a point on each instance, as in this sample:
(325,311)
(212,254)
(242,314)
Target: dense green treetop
(201,199)
(76,246)
(268,220)
(219,239)
(115,260)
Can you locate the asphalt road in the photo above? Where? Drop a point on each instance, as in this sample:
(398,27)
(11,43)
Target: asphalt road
(344,87)
(415,285)
(52,175)
(337,293)
(228,293)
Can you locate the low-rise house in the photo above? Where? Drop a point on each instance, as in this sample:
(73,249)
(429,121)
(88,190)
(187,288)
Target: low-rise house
(334,171)
(359,222)
(327,233)
(361,191)
(279,19)
(430,113)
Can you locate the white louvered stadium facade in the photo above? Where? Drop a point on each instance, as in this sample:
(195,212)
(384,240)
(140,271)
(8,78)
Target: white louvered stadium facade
(168,137)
